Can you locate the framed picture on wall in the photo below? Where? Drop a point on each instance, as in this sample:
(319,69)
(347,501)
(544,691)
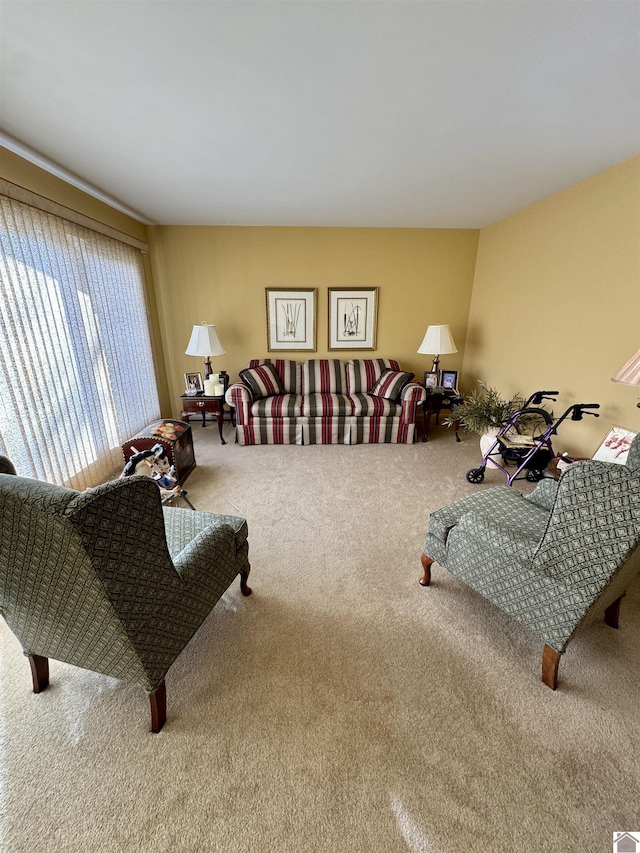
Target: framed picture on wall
(431,378)
(353,317)
(291,319)
(449,379)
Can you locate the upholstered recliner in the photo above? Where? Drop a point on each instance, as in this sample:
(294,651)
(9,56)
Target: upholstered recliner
(555,559)
(109,580)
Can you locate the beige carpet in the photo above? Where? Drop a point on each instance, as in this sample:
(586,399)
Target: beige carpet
(342,707)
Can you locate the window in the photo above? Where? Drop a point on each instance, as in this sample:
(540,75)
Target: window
(76,368)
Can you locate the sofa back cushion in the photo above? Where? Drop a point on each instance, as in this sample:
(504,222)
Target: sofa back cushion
(363,373)
(288,371)
(324,376)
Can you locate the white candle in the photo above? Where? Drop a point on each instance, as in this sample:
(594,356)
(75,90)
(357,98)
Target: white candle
(209,387)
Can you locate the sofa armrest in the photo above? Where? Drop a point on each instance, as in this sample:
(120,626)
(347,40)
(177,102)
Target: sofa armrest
(240,397)
(412,395)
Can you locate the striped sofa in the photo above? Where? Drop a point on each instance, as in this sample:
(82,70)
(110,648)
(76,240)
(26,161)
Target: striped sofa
(325,401)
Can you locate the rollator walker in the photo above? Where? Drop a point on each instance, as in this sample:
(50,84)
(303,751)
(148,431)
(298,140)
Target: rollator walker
(525,439)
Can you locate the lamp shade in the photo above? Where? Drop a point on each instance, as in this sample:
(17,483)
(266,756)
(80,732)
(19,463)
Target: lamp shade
(629,373)
(204,341)
(437,341)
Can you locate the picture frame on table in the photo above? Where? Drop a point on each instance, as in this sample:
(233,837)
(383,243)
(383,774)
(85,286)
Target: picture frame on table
(193,384)
(353,318)
(615,446)
(431,379)
(291,319)
(449,379)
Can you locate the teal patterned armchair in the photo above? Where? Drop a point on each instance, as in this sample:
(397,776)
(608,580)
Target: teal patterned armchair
(554,560)
(109,580)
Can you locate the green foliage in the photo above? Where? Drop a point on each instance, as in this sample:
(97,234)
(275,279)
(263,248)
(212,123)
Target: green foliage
(483,409)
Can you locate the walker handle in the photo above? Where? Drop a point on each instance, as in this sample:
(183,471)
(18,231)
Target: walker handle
(539,396)
(581,409)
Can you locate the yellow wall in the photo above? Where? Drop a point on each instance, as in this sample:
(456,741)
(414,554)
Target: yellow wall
(219,275)
(551,294)
(23,173)
(556,302)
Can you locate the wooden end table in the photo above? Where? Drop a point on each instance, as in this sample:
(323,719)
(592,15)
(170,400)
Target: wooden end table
(437,401)
(205,405)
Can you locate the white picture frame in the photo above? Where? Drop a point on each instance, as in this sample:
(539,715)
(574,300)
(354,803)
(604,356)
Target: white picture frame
(615,447)
(193,384)
(291,319)
(353,318)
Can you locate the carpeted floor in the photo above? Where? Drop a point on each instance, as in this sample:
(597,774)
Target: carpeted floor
(341,707)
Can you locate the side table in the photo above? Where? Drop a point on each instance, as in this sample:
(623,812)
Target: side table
(205,405)
(435,402)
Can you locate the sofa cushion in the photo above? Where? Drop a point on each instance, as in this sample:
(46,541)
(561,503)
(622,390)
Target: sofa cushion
(363,373)
(391,383)
(324,376)
(263,380)
(278,406)
(325,405)
(290,372)
(366,405)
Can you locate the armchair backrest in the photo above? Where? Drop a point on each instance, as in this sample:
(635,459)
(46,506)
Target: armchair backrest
(594,524)
(67,560)
(633,457)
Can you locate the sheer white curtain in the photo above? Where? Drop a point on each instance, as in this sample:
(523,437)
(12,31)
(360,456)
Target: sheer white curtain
(76,369)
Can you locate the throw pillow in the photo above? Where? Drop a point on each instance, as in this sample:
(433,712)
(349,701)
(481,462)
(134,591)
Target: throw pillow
(391,383)
(263,380)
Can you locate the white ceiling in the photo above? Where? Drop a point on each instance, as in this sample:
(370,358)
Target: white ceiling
(441,113)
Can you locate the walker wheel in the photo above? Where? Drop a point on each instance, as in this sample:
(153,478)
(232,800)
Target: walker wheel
(533,475)
(475,475)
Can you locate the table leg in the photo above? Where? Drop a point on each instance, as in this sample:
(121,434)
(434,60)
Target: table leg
(427,419)
(220,418)
(430,406)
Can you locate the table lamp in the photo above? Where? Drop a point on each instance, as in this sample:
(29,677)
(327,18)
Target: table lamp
(437,341)
(204,341)
(629,373)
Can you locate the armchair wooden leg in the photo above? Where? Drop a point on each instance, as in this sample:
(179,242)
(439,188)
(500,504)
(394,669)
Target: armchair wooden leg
(244,577)
(158,702)
(550,663)
(425,580)
(612,613)
(39,672)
